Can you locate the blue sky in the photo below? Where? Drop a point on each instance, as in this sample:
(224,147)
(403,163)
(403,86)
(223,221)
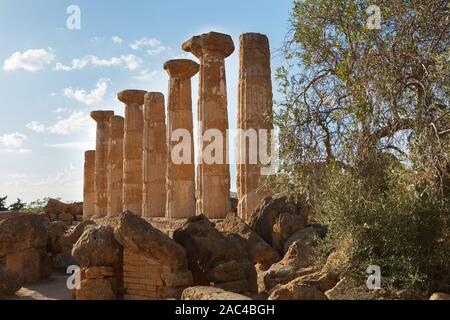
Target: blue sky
(52,77)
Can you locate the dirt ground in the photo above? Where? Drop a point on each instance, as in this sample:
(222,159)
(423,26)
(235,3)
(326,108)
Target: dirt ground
(52,288)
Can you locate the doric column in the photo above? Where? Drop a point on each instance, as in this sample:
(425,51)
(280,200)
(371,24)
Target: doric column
(254,114)
(115,166)
(180,201)
(155,156)
(133,150)
(101,162)
(89,185)
(213,175)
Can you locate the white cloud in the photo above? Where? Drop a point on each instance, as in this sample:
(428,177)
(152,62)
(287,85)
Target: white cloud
(130,62)
(67,177)
(30,60)
(76,145)
(93,97)
(144,43)
(60,110)
(147,74)
(36,126)
(158,50)
(13,140)
(15,151)
(117,40)
(77,121)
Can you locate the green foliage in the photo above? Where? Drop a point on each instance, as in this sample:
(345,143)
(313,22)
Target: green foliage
(17,206)
(37,206)
(365,133)
(398,228)
(3,203)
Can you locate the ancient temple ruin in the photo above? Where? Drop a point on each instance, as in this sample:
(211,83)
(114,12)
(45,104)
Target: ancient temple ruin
(135,165)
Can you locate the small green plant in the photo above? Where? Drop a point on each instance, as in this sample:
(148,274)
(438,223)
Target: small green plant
(17,206)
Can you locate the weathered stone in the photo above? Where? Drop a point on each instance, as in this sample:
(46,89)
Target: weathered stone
(210,293)
(266,215)
(286,225)
(101,162)
(133,150)
(115,166)
(10,282)
(96,289)
(349,289)
(56,207)
(63,260)
(296,291)
(212,258)
(21,232)
(98,272)
(89,184)
(254,114)
(97,247)
(259,250)
(440,296)
(155,156)
(213,182)
(137,234)
(180,201)
(306,236)
(55,232)
(298,258)
(66,218)
(75,209)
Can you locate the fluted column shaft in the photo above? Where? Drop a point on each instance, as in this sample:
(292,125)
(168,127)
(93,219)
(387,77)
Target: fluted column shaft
(89,185)
(180,176)
(155,156)
(115,169)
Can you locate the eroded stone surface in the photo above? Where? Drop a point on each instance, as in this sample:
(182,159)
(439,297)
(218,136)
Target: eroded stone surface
(180,201)
(255,100)
(101,162)
(155,156)
(213,180)
(133,149)
(115,166)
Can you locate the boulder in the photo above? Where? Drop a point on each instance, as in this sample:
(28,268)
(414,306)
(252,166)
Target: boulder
(96,289)
(10,282)
(98,272)
(72,234)
(55,207)
(97,246)
(213,258)
(137,234)
(350,289)
(55,232)
(75,209)
(259,250)
(66,217)
(210,293)
(298,260)
(440,296)
(21,232)
(296,291)
(268,224)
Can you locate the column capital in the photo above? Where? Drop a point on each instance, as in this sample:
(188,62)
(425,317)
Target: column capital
(132,96)
(101,116)
(181,68)
(253,39)
(212,42)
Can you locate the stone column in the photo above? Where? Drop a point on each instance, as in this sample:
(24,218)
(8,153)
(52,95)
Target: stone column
(180,176)
(254,114)
(89,185)
(133,149)
(213,177)
(101,162)
(155,156)
(115,169)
